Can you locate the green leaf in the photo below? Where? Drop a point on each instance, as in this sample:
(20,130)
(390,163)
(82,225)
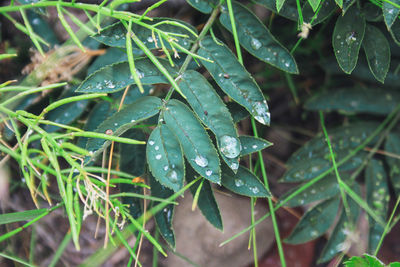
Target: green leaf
(204,6)
(123,120)
(340,3)
(196,144)
(347,38)
(377,198)
(392,145)
(328,8)
(288,10)
(237,111)
(251,144)
(164,217)
(214,114)
(390,12)
(243,183)
(42,28)
(206,202)
(355,100)
(314,4)
(372,12)
(314,158)
(346,5)
(112,55)
(395,32)
(279,5)
(234,79)
(117,76)
(133,161)
(115,34)
(337,241)
(377,50)
(367,261)
(257,40)
(315,222)
(165,158)
(20,216)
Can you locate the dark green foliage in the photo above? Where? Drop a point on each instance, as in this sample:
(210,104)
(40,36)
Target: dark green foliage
(392,145)
(251,144)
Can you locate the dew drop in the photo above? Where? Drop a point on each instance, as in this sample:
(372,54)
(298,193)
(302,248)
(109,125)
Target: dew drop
(230,146)
(151,142)
(255,190)
(172,175)
(156,148)
(150,39)
(255,43)
(201,161)
(209,172)
(261,112)
(158,156)
(254,146)
(234,166)
(166,168)
(239,182)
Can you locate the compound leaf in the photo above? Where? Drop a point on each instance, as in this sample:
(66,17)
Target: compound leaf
(377,50)
(165,158)
(256,38)
(315,222)
(234,79)
(196,144)
(347,38)
(251,144)
(214,114)
(117,76)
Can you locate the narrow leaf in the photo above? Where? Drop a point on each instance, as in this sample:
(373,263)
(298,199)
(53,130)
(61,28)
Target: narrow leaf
(328,7)
(288,9)
(315,222)
(390,12)
(112,55)
(196,144)
(347,38)
(204,6)
(256,38)
(165,158)
(214,114)
(234,79)
(20,216)
(279,5)
(315,3)
(243,183)
(395,32)
(392,145)
(251,144)
(121,121)
(377,50)
(117,76)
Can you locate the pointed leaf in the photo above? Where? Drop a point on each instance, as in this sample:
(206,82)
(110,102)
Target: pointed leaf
(314,4)
(117,76)
(243,183)
(165,158)
(112,55)
(204,6)
(251,144)
(355,100)
(234,79)
(115,34)
(337,241)
(133,161)
(237,111)
(213,113)
(390,12)
(367,261)
(377,50)
(279,5)
(328,8)
(196,144)
(346,5)
(121,121)
(288,10)
(395,32)
(392,145)
(206,202)
(347,38)
(164,217)
(377,198)
(256,38)
(315,222)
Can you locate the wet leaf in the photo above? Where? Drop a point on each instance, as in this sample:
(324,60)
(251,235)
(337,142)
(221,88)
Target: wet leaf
(243,183)
(395,32)
(196,144)
(390,12)
(42,28)
(337,241)
(251,144)
(206,202)
(377,50)
(366,261)
(214,114)
(377,198)
(112,55)
(315,222)
(204,6)
(257,40)
(279,4)
(133,161)
(237,111)
(117,76)
(346,5)
(328,8)
(288,10)
(234,79)
(164,217)
(355,100)
(115,34)
(392,145)
(165,158)
(347,38)
(120,122)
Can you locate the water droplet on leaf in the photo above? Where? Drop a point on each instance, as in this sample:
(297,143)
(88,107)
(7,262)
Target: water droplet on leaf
(201,161)
(255,43)
(230,146)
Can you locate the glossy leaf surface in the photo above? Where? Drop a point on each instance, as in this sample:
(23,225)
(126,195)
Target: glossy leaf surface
(204,6)
(115,77)
(288,10)
(315,222)
(377,50)
(347,37)
(243,183)
(328,8)
(390,12)
(257,40)
(165,158)
(234,79)
(366,260)
(112,55)
(251,144)
(120,122)
(314,4)
(213,113)
(196,143)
